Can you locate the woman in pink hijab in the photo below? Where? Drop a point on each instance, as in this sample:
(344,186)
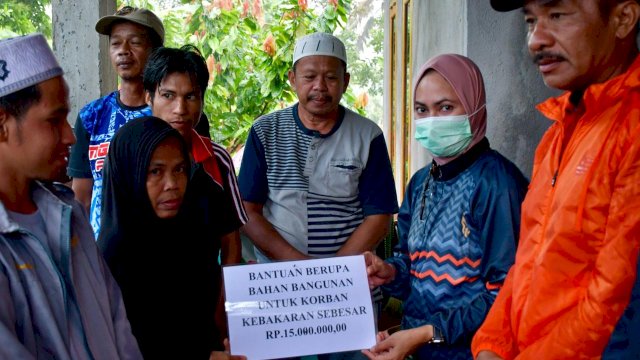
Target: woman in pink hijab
(459,221)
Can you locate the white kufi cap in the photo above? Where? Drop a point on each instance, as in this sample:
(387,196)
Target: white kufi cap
(25,61)
(319,44)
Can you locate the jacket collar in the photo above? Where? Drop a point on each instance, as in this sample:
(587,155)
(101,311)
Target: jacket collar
(556,108)
(6,224)
(43,195)
(451,169)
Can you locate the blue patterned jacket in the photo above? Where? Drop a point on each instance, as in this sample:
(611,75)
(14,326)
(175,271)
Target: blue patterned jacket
(458,228)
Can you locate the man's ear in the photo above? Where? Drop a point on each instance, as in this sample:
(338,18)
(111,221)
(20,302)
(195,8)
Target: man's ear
(4,120)
(147,98)
(292,78)
(625,15)
(347,77)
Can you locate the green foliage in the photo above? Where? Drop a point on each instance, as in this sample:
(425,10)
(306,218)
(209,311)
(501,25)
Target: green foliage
(366,72)
(248,49)
(20,17)
(248,45)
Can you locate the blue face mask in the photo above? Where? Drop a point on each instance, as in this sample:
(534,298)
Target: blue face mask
(444,136)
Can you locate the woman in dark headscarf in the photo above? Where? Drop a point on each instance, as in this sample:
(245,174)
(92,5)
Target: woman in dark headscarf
(157,247)
(459,221)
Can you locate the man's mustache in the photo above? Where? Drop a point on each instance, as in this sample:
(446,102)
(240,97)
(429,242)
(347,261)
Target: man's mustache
(545,55)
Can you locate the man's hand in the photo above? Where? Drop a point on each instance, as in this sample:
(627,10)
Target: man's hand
(367,235)
(266,238)
(488,355)
(82,189)
(378,271)
(231,248)
(225,355)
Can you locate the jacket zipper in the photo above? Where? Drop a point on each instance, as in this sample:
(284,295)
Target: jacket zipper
(68,235)
(545,220)
(554,178)
(52,263)
(61,279)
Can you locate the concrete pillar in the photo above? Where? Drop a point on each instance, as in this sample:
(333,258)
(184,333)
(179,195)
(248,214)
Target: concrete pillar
(81,51)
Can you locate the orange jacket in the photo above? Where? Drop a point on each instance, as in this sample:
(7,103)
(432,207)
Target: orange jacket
(580,232)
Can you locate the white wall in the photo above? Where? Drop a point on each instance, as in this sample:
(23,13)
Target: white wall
(496,42)
(439,27)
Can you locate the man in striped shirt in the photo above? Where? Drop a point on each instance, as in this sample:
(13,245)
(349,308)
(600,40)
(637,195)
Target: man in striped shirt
(316,178)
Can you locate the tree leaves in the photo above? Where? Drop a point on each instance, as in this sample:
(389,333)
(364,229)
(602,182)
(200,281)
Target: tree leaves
(249,81)
(253,44)
(21,17)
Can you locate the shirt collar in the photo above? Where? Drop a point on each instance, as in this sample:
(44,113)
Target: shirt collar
(203,153)
(555,108)
(315,133)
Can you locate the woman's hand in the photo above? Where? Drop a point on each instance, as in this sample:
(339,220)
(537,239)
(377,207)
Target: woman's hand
(399,345)
(378,271)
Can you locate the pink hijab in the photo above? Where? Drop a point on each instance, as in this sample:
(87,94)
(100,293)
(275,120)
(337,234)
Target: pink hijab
(466,80)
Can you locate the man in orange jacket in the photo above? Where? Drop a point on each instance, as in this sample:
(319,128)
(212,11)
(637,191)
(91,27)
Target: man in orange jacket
(572,292)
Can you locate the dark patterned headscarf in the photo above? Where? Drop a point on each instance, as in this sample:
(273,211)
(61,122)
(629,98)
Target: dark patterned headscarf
(167,264)
(124,192)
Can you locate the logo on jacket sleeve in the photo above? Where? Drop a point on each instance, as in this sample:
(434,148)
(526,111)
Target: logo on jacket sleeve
(25,266)
(584,165)
(465,228)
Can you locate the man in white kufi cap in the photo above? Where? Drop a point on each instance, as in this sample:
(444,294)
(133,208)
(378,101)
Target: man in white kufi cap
(320,44)
(57,298)
(316,178)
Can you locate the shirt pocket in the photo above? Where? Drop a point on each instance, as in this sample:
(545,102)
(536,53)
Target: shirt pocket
(343,177)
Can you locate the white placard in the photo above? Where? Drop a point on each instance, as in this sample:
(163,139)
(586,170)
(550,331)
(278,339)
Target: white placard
(297,308)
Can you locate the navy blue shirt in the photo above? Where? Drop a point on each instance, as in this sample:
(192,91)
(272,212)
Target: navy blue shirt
(458,228)
(317,189)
